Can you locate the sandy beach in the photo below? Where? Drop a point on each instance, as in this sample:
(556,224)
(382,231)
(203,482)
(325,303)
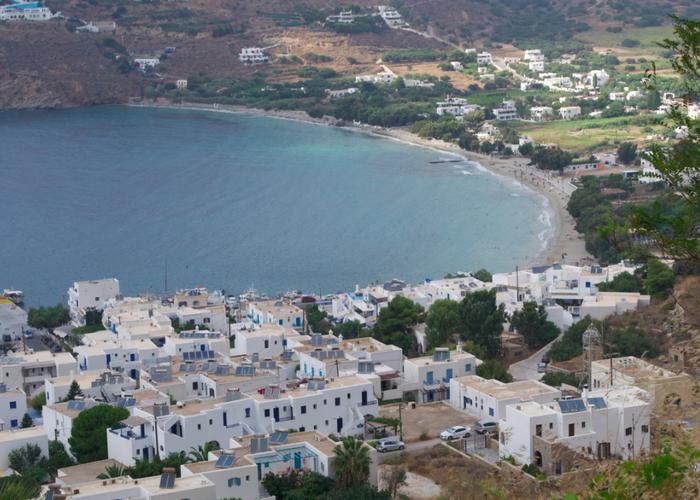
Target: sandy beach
(564,244)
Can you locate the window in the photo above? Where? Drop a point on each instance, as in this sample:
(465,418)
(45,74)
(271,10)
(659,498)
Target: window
(195,386)
(628,431)
(538,430)
(468,367)
(583,425)
(13,405)
(348,395)
(211,421)
(645,429)
(326,423)
(325,402)
(247,478)
(247,413)
(267,412)
(337,401)
(314,406)
(491,412)
(303,409)
(551,425)
(13,422)
(267,344)
(572,429)
(199,427)
(234,481)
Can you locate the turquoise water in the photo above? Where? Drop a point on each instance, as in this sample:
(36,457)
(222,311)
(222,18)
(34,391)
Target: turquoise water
(231,200)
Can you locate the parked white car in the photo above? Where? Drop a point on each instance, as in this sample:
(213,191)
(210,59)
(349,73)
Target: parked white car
(391,443)
(455,432)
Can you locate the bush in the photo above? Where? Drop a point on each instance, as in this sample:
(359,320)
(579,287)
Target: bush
(492,368)
(88,439)
(629,42)
(570,344)
(555,379)
(48,317)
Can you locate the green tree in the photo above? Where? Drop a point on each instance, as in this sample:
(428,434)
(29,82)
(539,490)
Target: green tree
(627,152)
(39,401)
(363,491)
(483,275)
(632,341)
(350,330)
(653,99)
(18,488)
(88,440)
(73,391)
(297,485)
(678,233)
(201,452)
(396,321)
(555,379)
(570,344)
(58,457)
(623,282)
(351,463)
(28,461)
(526,149)
(551,159)
(48,317)
(492,368)
(532,323)
(442,321)
(482,320)
(317,319)
(26,421)
(659,279)
(113,470)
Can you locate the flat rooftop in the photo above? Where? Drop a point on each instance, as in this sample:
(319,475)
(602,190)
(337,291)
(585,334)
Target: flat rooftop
(533,409)
(28,433)
(150,484)
(84,473)
(302,390)
(428,360)
(36,358)
(523,389)
(637,368)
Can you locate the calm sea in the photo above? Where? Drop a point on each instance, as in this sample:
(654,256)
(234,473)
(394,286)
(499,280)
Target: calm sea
(229,201)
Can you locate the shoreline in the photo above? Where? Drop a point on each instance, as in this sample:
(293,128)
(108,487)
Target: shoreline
(561,242)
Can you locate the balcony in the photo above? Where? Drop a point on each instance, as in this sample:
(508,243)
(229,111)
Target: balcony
(372,402)
(285,419)
(127,433)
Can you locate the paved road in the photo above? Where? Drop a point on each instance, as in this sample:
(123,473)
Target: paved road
(527,368)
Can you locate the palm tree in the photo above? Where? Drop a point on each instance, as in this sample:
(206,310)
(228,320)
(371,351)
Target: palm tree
(351,463)
(201,453)
(113,470)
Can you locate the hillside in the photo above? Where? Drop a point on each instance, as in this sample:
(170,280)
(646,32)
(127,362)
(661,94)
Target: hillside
(47,64)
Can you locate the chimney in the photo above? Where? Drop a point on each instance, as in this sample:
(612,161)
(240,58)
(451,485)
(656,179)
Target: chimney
(584,393)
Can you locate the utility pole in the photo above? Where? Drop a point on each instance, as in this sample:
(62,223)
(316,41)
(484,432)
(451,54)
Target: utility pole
(400,422)
(517,285)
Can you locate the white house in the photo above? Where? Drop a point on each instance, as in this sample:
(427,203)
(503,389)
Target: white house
(15,439)
(237,472)
(541,113)
(13,320)
(600,424)
(167,486)
(455,106)
(143,63)
(268,340)
(391,16)
(276,312)
(484,59)
(28,371)
(569,112)
(92,384)
(605,304)
(13,406)
(26,10)
(533,55)
(484,398)
(433,373)
(507,111)
(181,84)
(339,94)
(649,173)
(58,419)
(536,66)
(252,55)
(94,294)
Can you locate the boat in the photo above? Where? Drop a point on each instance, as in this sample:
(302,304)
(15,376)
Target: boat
(447,160)
(16,296)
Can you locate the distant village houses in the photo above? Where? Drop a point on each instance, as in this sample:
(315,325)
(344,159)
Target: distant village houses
(253,55)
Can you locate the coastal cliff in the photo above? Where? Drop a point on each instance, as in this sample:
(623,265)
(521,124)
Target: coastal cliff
(44,66)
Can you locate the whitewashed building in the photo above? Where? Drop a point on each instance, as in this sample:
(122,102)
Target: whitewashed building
(28,371)
(569,112)
(26,10)
(600,424)
(484,398)
(433,373)
(93,294)
(13,406)
(253,55)
(18,438)
(13,320)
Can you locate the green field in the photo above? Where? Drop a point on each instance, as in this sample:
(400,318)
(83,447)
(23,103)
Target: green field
(648,38)
(593,134)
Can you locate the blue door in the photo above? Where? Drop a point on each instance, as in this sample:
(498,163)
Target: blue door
(429,377)
(449,373)
(339,425)
(297,460)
